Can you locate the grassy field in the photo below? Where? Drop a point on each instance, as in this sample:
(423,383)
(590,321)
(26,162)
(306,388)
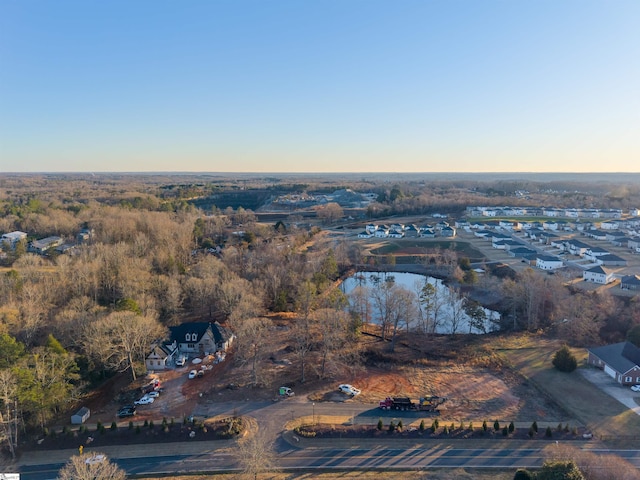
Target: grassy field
(531,357)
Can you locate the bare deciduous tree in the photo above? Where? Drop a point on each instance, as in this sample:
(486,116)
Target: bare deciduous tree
(255,455)
(121,339)
(91,466)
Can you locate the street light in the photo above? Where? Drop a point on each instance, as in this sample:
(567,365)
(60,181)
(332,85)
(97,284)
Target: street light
(313,405)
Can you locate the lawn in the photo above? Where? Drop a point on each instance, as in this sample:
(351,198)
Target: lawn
(397,247)
(531,357)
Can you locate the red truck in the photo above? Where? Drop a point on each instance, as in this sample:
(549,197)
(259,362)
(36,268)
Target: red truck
(425,404)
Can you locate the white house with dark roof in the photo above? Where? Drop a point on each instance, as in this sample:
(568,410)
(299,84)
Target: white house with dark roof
(630,282)
(162,356)
(598,275)
(621,361)
(548,262)
(611,260)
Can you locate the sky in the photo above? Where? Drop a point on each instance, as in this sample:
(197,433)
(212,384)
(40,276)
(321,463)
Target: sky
(320,86)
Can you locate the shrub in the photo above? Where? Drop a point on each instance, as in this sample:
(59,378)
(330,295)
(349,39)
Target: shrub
(400,425)
(496,425)
(512,427)
(505,432)
(548,432)
(302,431)
(534,426)
(471,426)
(151,425)
(566,428)
(114,426)
(559,427)
(564,360)
(445,430)
(392,427)
(437,423)
(98,426)
(421,427)
(164,421)
(146,423)
(452,427)
(461,426)
(484,426)
(130,425)
(522,474)
(380,424)
(434,427)
(103,430)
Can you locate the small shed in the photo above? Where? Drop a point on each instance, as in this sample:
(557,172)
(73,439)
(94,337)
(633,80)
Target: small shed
(80,416)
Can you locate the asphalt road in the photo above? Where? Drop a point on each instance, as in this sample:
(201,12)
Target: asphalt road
(345,459)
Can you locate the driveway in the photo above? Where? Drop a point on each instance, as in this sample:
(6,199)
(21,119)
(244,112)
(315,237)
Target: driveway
(608,385)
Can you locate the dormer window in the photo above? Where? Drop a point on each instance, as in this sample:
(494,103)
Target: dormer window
(188,337)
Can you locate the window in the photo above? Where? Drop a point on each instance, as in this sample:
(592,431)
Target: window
(187,337)
(191,345)
(628,379)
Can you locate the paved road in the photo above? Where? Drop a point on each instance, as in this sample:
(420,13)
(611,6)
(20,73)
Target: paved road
(344,459)
(352,454)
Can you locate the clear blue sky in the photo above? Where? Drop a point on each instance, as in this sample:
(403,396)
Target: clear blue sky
(320,86)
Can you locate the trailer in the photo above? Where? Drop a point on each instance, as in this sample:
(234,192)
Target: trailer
(425,404)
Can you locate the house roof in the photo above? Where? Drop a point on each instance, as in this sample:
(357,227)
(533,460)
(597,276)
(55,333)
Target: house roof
(598,270)
(622,356)
(548,258)
(179,333)
(611,258)
(630,280)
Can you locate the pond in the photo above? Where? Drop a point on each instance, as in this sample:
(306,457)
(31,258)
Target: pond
(416,303)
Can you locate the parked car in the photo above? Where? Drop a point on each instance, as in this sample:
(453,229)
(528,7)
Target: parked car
(349,389)
(154,394)
(127,411)
(200,374)
(95,459)
(192,374)
(181,361)
(145,400)
(636,388)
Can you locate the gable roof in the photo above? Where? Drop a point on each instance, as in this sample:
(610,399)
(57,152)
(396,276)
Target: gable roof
(621,356)
(179,332)
(598,270)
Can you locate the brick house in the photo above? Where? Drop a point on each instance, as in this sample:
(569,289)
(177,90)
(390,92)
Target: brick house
(620,361)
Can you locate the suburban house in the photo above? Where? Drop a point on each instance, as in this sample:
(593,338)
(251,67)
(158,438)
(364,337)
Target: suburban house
(547,262)
(162,356)
(620,361)
(200,338)
(189,340)
(611,260)
(630,282)
(598,275)
(365,234)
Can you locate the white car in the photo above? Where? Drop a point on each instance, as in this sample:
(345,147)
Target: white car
(636,388)
(154,394)
(349,389)
(146,400)
(193,373)
(95,459)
